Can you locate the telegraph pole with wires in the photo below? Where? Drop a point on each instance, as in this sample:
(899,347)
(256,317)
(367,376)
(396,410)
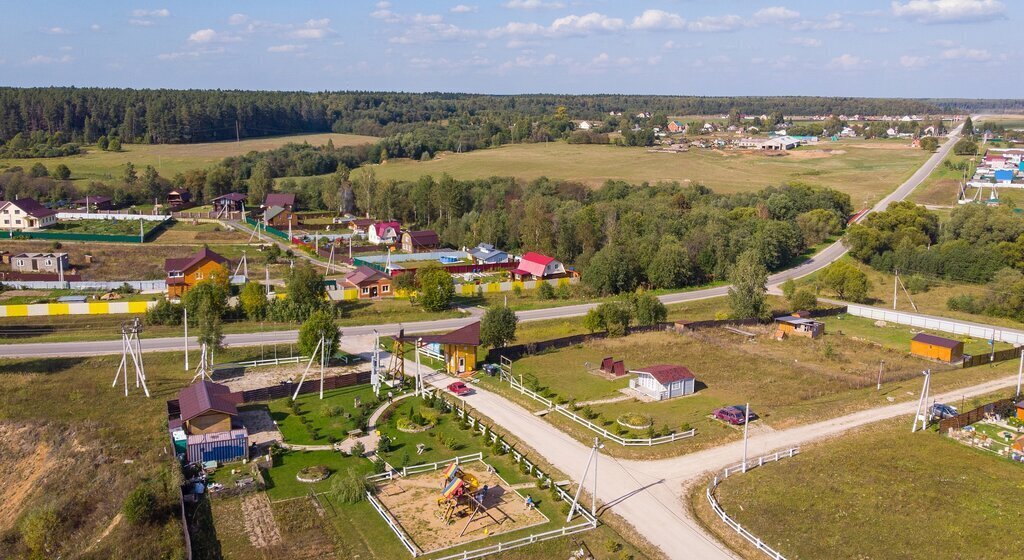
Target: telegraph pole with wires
(922,404)
(1020,370)
(131,346)
(321,350)
(746,423)
(594,453)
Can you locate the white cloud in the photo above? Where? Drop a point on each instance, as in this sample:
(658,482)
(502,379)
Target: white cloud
(203,36)
(43,59)
(965,53)
(462,9)
(909,61)
(532,5)
(286,48)
(140,22)
(313,29)
(530,62)
(56,31)
(585,24)
(237,19)
(716,24)
(189,54)
(847,62)
(831,21)
(161,13)
(95,27)
(658,20)
(804,41)
(949,11)
(776,14)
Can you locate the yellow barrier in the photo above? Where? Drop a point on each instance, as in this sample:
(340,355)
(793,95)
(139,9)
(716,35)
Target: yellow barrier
(64,309)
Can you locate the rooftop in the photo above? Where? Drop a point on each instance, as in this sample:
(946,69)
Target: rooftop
(936,340)
(204,396)
(666,374)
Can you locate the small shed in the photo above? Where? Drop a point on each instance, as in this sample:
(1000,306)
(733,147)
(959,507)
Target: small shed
(936,347)
(663,381)
(795,325)
(1020,410)
(458,347)
(207,407)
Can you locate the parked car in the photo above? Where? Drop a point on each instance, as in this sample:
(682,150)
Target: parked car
(734,415)
(943,411)
(460,389)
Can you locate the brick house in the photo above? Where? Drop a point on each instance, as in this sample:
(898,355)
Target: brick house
(369,282)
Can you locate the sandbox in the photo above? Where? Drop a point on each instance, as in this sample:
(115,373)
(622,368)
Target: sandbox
(413,502)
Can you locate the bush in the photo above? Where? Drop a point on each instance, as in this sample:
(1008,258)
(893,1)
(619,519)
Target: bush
(358,449)
(351,488)
(612,546)
(331,411)
(545,291)
(140,506)
(164,313)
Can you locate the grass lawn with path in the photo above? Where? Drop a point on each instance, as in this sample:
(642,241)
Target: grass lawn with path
(326,421)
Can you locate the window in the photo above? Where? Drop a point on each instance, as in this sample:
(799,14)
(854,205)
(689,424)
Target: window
(49,262)
(385,288)
(366,290)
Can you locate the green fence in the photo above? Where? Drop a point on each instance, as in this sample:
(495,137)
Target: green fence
(268,229)
(99,237)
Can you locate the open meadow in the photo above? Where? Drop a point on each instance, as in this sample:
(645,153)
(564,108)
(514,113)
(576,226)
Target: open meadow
(169,159)
(880,492)
(865,169)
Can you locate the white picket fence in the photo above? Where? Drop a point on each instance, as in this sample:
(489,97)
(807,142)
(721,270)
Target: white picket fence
(266,362)
(951,326)
(674,436)
(733,524)
(589,521)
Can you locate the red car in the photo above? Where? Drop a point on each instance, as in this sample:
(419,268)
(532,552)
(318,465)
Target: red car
(734,415)
(460,389)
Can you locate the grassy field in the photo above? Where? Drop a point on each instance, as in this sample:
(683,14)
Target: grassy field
(843,498)
(942,187)
(897,337)
(327,420)
(866,169)
(102,227)
(170,159)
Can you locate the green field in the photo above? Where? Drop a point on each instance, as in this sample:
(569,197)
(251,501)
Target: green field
(866,169)
(170,159)
(327,420)
(942,187)
(897,337)
(881,492)
(103,227)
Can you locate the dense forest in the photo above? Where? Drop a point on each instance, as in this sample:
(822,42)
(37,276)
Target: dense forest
(180,116)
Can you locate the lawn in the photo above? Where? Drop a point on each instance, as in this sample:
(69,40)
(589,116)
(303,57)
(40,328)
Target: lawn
(943,185)
(103,227)
(311,421)
(866,169)
(843,498)
(170,159)
(281,481)
(897,336)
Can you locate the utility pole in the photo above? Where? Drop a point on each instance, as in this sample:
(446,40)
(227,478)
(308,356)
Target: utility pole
(922,403)
(1020,370)
(746,422)
(419,378)
(881,364)
(185,321)
(895,287)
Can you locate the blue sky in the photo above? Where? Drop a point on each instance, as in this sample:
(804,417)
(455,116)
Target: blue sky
(903,48)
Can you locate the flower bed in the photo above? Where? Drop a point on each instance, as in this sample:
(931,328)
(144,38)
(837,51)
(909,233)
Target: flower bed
(634,421)
(313,474)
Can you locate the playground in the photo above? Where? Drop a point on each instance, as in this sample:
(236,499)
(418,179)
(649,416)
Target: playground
(455,505)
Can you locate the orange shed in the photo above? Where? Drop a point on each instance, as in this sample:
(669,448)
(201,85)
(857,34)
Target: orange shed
(936,347)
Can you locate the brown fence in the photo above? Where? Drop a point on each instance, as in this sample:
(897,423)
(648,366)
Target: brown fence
(287,389)
(710,324)
(519,350)
(1003,407)
(992,357)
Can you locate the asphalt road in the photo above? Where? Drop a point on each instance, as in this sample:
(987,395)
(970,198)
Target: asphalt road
(820,260)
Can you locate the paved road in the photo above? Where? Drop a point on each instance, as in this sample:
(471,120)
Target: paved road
(817,262)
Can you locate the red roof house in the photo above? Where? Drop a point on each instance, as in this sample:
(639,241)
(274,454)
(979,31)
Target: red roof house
(536,265)
(284,200)
(207,407)
(384,233)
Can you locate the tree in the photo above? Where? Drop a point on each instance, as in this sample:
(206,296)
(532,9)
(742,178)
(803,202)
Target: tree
(306,292)
(611,270)
(103,143)
(647,309)
(498,326)
(816,225)
(803,298)
(253,301)
(61,172)
(846,280)
(319,324)
(747,294)
(968,129)
(151,183)
(929,143)
(612,316)
(114,145)
(261,182)
(206,303)
(965,147)
(544,290)
(436,287)
(129,176)
(38,170)
(670,267)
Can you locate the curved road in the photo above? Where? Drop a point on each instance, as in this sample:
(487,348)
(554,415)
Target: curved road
(820,260)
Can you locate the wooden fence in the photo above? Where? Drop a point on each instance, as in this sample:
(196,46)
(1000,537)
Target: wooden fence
(992,357)
(1003,407)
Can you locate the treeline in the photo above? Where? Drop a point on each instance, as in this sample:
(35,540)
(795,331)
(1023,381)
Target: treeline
(181,116)
(959,105)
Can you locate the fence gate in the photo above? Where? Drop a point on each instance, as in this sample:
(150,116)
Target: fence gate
(506,368)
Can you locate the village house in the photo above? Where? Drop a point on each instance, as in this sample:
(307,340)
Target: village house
(458,347)
(797,325)
(536,265)
(210,423)
(284,200)
(384,233)
(186,272)
(40,262)
(936,347)
(178,198)
(361,225)
(584,125)
(231,202)
(25,213)
(280,217)
(419,241)
(93,202)
(675,127)
(662,382)
(485,253)
(369,282)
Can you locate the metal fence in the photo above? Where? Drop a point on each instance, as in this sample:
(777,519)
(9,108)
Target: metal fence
(951,326)
(733,524)
(139,285)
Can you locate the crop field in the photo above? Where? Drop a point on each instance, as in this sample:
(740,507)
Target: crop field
(880,492)
(170,159)
(866,169)
(788,382)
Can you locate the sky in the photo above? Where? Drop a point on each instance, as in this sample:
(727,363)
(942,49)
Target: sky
(878,48)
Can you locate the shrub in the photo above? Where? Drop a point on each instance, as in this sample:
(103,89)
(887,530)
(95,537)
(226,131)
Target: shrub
(140,506)
(39,531)
(331,411)
(612,546)
(545,291)
(358,449)
(384,445)
(351,488)
(449,441)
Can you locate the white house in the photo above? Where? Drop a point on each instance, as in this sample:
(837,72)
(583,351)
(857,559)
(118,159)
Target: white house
(585,125)
(25,213)
(382,233)
(662,382)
